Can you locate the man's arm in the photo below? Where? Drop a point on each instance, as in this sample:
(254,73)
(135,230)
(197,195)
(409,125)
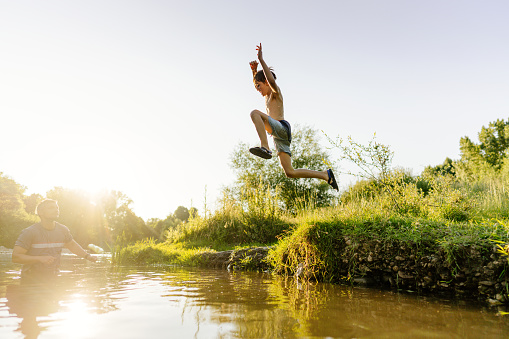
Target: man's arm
(266,70)
(75,248)
(19,256)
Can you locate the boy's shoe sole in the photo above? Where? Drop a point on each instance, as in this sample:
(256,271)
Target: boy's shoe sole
(261,152)
(332,181)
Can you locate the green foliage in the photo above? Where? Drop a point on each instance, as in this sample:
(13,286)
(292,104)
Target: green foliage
(447,168)
(434,194)
(447,200)
(487,157)
(149,252)
(31,202)
(293,194)
(373,161)
(490,196)
(102,219)
(394,182)
(182,213)
(318,243)
(162,227)
(78,212)
(13,215)
(253,215)
(99,219)
(297,250)
(434,197)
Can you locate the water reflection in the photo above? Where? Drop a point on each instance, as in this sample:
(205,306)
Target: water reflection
(99,301)
(29,301)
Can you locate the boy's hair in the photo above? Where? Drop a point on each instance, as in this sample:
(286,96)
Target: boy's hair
(43,204)
(260,76)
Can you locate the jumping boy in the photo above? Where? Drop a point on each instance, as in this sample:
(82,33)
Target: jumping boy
(273,123)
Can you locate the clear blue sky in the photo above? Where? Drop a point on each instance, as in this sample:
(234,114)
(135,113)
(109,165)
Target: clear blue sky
(151,97)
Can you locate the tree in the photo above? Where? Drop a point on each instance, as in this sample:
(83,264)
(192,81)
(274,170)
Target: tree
(13,216)
(294,194)
(82,214)
(447,168)
(122,221)
(31,202)
(373,161)
(492,146)
(181,213)
(100,219)
(97,219)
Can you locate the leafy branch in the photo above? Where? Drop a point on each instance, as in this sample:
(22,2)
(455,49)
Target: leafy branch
(374,161)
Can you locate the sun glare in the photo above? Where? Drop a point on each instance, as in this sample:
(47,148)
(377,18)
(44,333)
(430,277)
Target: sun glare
(76,321)
(85,163)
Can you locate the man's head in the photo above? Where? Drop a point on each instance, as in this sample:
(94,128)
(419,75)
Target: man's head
(48,209)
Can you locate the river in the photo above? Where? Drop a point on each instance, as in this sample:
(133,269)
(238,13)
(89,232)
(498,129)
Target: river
(98,300)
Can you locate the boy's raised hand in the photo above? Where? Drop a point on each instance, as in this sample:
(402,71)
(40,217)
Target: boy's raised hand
(259,49)
(254,65)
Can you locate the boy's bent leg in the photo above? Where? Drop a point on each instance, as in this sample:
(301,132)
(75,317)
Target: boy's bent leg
(286,162)
(261,122)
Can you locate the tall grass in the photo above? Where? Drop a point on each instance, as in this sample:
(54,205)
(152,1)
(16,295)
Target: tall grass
(255,217)
(491,196)
(441,197)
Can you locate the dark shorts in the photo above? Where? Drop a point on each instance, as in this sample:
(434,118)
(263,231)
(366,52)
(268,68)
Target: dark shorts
(281,136)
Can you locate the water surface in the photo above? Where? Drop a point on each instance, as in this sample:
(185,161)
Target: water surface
(100,301)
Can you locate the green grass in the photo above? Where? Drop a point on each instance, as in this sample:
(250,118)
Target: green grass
(255,219)
(448,218)
(150,252)
(318,239)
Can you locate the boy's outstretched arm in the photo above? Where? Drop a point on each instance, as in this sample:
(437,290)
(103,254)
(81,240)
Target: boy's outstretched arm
(266,69)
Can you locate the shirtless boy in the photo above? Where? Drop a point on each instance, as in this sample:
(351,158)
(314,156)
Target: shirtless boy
(273,123)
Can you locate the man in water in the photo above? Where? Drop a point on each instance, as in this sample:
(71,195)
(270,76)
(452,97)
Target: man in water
(39,246)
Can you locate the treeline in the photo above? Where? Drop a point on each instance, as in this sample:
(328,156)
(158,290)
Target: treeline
(102,219)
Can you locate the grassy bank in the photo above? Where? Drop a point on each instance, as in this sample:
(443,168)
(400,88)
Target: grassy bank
(320,238)
(314,235)
(445,236)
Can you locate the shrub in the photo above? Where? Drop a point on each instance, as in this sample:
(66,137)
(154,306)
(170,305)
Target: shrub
(255,218)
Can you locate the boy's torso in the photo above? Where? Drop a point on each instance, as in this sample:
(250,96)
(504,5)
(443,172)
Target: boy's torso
(274,105)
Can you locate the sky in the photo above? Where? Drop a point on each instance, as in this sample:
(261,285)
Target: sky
(150,98)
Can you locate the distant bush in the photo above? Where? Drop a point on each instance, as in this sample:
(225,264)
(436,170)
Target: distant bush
(254,218)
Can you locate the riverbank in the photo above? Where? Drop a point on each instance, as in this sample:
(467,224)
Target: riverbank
(481,273)
(463,259)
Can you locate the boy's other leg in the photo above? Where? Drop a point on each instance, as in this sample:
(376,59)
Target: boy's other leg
(261,122)
(286,162)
